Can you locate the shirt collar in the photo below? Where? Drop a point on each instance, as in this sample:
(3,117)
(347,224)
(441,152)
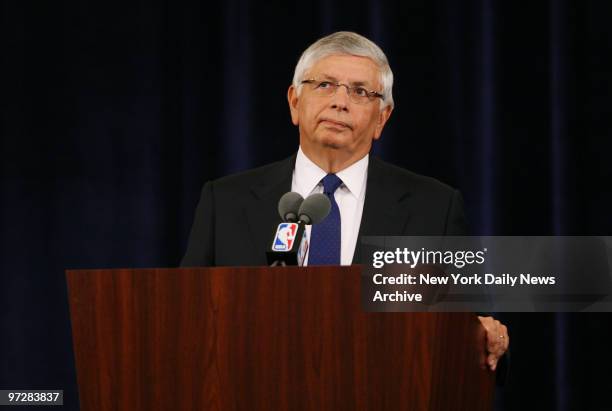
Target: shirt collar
(308,175)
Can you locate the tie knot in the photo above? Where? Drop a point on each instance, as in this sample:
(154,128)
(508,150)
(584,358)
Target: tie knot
(331,182)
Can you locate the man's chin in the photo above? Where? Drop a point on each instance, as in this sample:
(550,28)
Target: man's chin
(333,145)
(335,140)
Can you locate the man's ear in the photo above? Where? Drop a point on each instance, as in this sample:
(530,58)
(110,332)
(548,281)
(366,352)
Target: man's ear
(293,98)
(383,116)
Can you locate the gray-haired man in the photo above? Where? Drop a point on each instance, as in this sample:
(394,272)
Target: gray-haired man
(340,100)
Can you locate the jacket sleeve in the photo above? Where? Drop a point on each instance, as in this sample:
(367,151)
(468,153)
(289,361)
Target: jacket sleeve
(200,249)
(456,223)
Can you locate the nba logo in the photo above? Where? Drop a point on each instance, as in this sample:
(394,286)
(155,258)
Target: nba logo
(285,236)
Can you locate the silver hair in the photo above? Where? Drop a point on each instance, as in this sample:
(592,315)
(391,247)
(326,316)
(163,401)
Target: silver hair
(348,43)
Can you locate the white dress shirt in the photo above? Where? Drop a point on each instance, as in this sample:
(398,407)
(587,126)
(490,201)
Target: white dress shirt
(350,197)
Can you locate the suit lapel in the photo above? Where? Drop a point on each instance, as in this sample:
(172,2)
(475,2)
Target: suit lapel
(262,209)
(384,211)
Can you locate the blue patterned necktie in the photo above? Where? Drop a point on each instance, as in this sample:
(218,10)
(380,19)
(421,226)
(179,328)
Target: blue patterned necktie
(325,236)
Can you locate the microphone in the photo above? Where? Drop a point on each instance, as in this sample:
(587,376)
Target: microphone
(290,243)
(314,209)
(289,205)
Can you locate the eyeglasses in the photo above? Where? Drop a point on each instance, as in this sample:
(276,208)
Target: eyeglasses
(357,94)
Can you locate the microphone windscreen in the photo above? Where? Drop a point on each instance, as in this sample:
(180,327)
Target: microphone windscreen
(315,208)
(289,205)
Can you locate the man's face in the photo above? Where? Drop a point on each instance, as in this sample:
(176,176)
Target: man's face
(335,123)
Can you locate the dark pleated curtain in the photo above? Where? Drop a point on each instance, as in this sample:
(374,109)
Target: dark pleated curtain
(114,115)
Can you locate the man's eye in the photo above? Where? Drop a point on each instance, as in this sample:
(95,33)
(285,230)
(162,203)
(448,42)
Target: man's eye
(361,92)
(324,84)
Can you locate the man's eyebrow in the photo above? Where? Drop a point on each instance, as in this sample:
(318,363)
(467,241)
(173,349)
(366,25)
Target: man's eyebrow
(328,77)
(352,83)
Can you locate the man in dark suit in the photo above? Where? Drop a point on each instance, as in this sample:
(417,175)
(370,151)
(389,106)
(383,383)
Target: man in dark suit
(340,99)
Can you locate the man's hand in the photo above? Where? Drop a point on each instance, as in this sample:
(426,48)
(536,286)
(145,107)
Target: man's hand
(497,340)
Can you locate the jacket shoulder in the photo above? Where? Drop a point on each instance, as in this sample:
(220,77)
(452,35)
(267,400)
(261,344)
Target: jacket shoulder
(438,206)
(406,178)
(246,179)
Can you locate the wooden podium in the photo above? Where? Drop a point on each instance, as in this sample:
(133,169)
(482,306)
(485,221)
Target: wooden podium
(265,339)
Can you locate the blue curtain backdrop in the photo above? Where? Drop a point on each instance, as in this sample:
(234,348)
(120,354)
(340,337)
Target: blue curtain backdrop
(114,115)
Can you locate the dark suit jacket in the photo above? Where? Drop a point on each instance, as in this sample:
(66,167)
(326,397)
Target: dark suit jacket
(237,215)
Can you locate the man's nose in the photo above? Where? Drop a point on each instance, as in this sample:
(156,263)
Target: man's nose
(340,99)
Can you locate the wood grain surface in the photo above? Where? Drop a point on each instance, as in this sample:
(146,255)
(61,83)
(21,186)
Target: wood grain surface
(265,339)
